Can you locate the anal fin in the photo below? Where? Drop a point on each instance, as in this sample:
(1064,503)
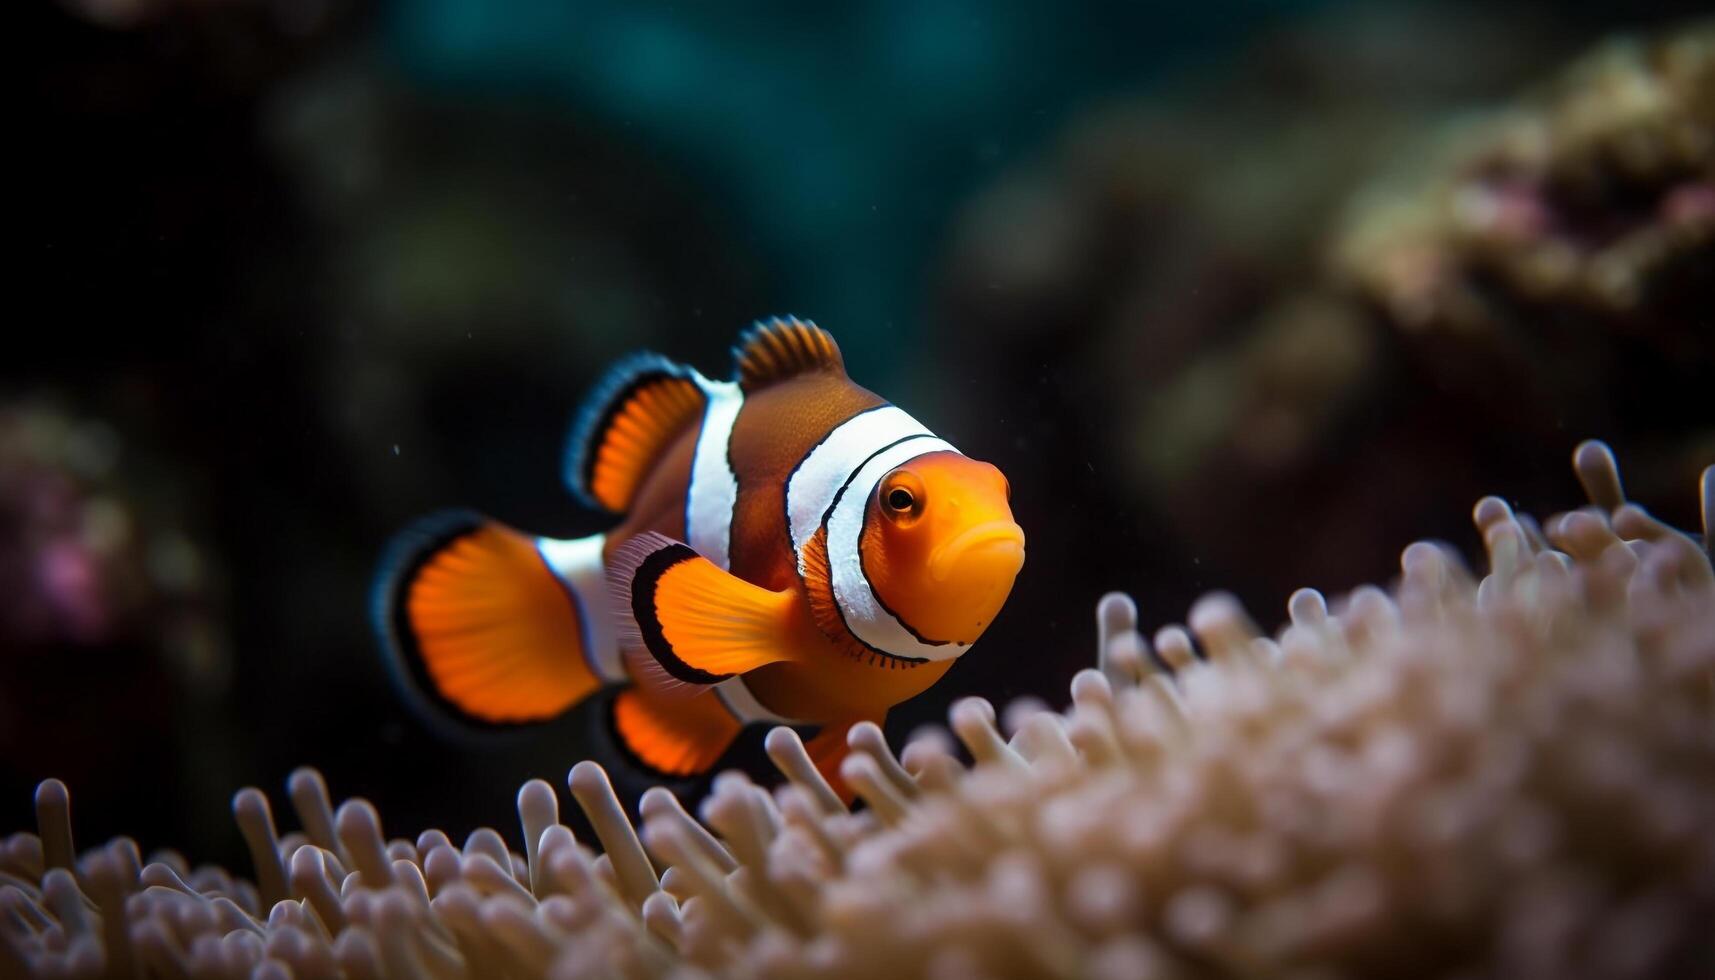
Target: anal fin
(684,737)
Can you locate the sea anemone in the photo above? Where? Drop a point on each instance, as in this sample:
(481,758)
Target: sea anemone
(1512,776)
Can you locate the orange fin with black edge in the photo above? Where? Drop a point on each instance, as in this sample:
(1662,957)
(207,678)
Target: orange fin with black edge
(628,422)
(477,624)
(783,347)
(683,737)
(685,622)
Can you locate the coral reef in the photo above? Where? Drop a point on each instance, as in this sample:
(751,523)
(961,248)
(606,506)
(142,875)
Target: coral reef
(1591,196)
(1500,777)
(1264,331)
(113,599)
(1578,223)
(89,557)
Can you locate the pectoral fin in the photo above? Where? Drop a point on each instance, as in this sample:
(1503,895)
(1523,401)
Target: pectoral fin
(685,621)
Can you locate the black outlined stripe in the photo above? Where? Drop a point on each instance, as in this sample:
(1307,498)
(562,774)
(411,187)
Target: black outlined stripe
(839,607)
(864,570)
(786,487)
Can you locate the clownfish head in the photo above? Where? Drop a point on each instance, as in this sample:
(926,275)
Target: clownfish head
(940,547)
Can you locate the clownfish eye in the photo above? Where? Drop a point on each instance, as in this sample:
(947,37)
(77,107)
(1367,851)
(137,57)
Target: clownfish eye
(901,497)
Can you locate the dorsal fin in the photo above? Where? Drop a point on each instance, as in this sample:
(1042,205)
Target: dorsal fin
(627,422)
(783,347)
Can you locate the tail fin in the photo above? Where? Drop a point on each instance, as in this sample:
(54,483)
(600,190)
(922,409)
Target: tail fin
(477,623)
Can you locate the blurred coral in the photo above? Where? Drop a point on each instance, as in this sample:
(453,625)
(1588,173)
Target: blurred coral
(1504,777)
(64,546)
(1595,195)
(112,614)
(1551,264)
(1308,300)
(90,559)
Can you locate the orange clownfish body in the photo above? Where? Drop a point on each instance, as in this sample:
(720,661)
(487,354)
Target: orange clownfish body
(793,549)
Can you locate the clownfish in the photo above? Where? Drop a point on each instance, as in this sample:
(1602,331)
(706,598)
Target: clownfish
(791,549)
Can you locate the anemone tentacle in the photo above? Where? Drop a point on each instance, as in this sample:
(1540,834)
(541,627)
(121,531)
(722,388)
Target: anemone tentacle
(1504,776)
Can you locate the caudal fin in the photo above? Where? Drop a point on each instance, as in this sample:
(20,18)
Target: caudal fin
(476,622)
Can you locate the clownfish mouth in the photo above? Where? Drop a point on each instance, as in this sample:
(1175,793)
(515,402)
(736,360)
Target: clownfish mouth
(991,550)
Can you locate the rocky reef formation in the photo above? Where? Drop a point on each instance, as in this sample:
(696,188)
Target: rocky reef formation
(1593,195)
(1505,776)
(1561,248)
(1303,297)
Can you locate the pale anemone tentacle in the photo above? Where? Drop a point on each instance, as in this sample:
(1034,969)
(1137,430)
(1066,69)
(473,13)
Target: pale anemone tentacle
(1518,764)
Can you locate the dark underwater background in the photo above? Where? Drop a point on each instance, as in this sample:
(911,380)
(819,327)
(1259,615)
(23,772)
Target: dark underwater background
(287,275)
